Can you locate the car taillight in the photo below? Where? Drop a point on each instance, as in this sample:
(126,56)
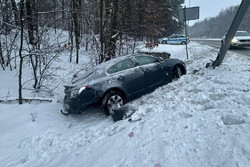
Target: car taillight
(187,38)
(82,88)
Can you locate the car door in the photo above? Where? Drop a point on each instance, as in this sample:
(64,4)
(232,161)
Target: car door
(127,76)
(153,70)
(172,39)
(181,39)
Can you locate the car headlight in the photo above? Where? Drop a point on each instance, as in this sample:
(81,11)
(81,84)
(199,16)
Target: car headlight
(234,40)
(77,91)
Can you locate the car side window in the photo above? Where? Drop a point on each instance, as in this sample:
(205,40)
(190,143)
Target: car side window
(174,36)
(124,65)
(120,66)
(142,60)
(111,70)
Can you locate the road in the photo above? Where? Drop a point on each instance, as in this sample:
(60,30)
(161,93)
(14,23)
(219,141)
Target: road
(216,44)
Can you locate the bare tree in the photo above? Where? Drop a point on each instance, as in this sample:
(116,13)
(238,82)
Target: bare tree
(15,11)
(76,7)
(2,62)
(20,51)
(101,56)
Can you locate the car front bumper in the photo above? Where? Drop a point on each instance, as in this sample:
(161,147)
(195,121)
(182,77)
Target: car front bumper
(80,102)
(243,44)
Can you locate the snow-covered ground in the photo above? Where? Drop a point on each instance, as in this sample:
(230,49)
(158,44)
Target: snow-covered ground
(203,119)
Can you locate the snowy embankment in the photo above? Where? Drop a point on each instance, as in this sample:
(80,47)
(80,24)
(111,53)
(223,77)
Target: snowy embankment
(203,119)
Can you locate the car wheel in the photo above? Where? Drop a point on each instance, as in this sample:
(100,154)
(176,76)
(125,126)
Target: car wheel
(112,100)
(183,43)
(164,42)
(177,73)
(64,112)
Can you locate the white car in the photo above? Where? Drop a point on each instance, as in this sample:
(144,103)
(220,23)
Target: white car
(176,39)
(241,39)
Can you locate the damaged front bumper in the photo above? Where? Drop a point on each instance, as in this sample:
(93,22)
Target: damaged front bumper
(75,103)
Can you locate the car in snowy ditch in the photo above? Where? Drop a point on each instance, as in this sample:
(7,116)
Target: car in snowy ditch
(117,81)
(240,39)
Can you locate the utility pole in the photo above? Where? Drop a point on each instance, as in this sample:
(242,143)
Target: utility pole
(231,32)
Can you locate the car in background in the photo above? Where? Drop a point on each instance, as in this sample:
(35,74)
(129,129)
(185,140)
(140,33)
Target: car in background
(241,39)
(117,81)
(175,39)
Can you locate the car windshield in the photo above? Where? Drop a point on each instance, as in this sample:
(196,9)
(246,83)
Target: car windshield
(242,33)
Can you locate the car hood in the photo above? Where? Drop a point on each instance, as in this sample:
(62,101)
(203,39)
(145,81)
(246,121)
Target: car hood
(242,37)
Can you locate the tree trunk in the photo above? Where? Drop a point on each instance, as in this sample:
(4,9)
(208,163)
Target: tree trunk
(15,11)
(63,14)
(30,22)
(36,25)
(101,57)
(2,62)
(20,53)
(34,64)
(71,40)
(55,23)
(76,27)
(114,34)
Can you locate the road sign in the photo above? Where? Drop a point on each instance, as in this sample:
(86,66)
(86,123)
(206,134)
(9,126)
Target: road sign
(186,14)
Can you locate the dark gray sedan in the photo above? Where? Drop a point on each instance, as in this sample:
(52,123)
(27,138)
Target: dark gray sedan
(117,81)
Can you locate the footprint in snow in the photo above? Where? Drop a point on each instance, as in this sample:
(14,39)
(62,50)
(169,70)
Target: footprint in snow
(232,120)
(185,115)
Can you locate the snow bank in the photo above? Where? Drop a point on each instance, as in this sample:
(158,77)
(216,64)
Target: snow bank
(200,120)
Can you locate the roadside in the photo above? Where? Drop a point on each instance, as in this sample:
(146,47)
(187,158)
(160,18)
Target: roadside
(216,43)
(200,120)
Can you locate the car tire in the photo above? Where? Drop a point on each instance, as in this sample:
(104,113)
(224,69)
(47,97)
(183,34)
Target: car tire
(112,100)
(164,42)
(64,112)
(177,73)
(183,43)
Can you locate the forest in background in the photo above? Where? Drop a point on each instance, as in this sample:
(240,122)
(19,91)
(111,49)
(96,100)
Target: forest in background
(102,22)
(216,27)
(104,28)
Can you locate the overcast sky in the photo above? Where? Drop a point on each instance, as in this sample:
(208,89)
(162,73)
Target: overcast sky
(210,8)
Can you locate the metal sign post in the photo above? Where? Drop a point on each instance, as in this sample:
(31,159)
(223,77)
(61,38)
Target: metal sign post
(185,27)
(187,14)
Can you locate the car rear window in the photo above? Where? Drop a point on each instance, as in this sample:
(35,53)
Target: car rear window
(111,70)
(84,75)
(142,60)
